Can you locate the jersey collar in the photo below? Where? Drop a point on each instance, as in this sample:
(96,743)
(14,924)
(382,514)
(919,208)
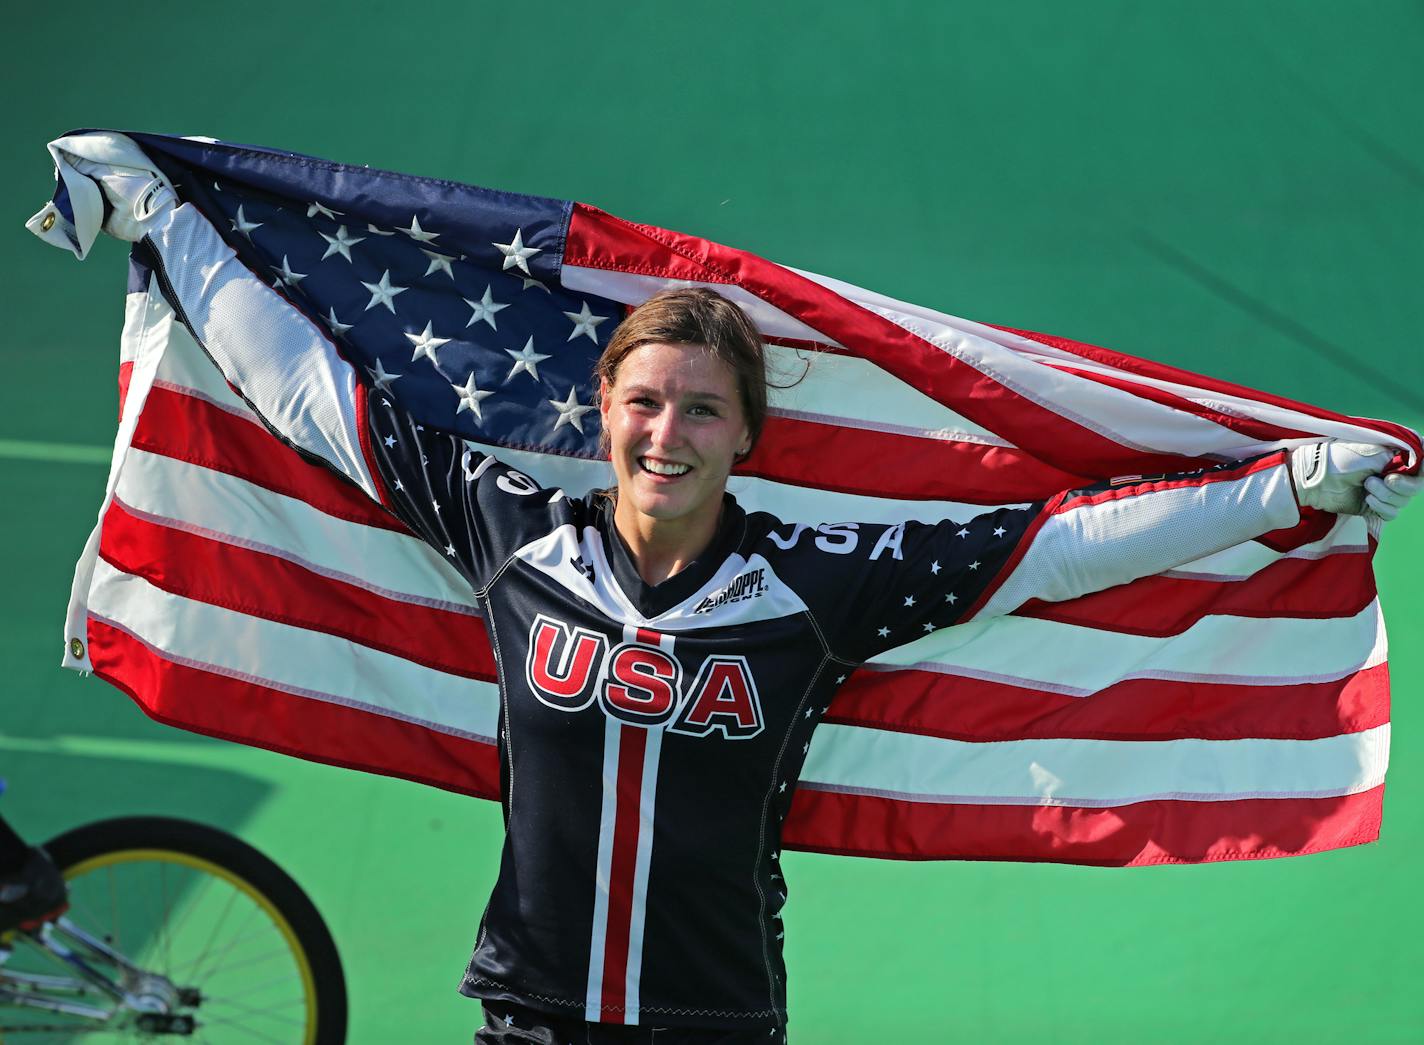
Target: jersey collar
(653,600)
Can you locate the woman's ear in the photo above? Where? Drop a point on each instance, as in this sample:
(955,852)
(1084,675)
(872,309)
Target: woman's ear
(603,400)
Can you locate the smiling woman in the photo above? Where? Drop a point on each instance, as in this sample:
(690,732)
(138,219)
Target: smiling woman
(683,398)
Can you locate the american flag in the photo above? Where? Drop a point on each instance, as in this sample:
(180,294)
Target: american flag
(1234,707)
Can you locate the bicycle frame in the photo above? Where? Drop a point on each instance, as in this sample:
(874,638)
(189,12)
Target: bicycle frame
(149,996)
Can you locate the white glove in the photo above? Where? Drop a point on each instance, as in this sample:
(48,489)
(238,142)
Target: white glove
(137,195)
(1385,495)
(1331,475)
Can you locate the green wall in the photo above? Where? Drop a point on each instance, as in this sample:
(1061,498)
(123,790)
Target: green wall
(1235,188)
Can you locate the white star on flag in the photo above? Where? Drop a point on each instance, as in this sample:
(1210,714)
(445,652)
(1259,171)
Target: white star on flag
(378,232)
(516,253)
(288,276)
(337,327)
(526,359)
(470,397)
(438,262)
(341,243)
(585,322)
(317,208)
(383,293)
(241,225)
(883,632)
(962,532)
(425,344)
(935,567)
(485,308)
(570,411)
(381,378)
(417,233)
(999,531)
(909,600)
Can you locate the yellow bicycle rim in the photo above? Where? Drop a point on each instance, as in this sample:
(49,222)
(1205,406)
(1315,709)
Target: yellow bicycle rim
(197,863)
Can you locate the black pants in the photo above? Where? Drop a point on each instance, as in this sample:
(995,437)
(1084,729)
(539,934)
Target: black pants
(510,1024)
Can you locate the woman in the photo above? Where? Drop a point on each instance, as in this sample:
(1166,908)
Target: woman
(663,654)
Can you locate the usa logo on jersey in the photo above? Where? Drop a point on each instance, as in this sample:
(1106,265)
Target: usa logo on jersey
(568,668)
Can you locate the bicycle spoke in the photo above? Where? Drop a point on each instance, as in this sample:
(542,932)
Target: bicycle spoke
(217,961)
(190,969)
(205,885)
(252,1010)
(165,939)
(221,921)
(230,1025)
(114,908)
(249,962)
(249,992)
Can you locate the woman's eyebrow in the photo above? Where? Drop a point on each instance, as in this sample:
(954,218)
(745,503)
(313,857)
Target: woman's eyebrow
(644,389)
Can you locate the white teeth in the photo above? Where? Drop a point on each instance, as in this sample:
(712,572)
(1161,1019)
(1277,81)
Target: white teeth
(658,468)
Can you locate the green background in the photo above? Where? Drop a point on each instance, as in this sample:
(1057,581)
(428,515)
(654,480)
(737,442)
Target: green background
(1235,188)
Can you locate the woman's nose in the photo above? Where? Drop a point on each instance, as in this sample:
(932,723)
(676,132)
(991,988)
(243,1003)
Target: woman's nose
(667,431)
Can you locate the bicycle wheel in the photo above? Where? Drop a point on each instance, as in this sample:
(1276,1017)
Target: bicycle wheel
(220,939)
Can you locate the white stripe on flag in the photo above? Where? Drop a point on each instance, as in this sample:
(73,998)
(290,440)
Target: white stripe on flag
(311,663)
(1091,772)
(1068,658)
(216,504)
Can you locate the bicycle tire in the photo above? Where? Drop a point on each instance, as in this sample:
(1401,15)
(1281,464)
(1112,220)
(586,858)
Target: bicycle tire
(207,850)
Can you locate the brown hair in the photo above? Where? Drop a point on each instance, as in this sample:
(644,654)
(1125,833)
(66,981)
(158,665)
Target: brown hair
(695,316)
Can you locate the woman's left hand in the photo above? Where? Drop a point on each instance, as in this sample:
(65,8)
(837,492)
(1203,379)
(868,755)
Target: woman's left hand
(1385,495)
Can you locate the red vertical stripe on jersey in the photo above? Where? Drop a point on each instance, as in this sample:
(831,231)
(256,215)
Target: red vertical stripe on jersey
(627,823)
(620,878)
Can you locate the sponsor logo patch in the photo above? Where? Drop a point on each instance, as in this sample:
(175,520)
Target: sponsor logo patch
(749,585)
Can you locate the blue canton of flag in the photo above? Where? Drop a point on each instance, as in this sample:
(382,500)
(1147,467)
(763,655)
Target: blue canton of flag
(448,297)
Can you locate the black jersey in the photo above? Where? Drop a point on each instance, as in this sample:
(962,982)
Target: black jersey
(651,737)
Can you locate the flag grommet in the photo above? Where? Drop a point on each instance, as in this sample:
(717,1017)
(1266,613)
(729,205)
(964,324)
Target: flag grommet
(48,222)
(76,649)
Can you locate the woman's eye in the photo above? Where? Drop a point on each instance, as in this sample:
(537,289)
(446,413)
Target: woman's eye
(704,411)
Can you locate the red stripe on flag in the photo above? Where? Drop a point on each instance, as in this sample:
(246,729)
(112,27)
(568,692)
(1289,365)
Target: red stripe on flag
(1250,427)
(959,708)
(125,376)
(598,240)
(1163,372)
(1338,585)
(632,742)
(233,709)
(363,436)
(1158,832)
(190,429)
(243,579)
(854,460)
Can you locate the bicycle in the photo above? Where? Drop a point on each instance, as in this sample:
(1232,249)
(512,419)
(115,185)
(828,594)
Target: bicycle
(174,929)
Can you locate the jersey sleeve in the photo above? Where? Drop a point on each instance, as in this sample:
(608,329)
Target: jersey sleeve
(470,507)
(898,583)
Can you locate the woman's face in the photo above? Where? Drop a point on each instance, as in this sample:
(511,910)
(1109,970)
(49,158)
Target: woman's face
(675,423)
